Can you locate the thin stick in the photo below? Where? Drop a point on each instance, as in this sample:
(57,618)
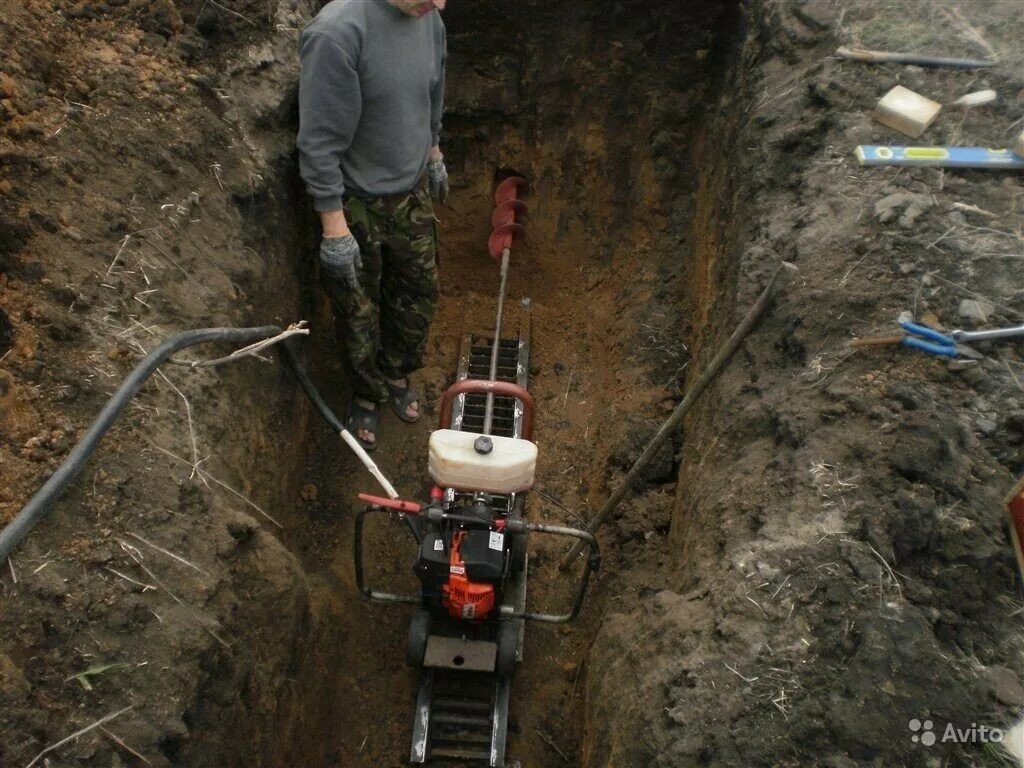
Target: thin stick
(762,610)
(124,746)
(1005,362)
(248,501)
(76,734)
(170,554)
(776,592)
(740,676)
(129,578)
(233,13)
(14,576)
(576,681)
(969,30)
(203,475)
(975,209)
(965,289)
(781,276)
(547,740)
(876,341)
(117,255)
(188,415)
(888,568)
(559,504)
(295,329)
(138,561)
(879,57)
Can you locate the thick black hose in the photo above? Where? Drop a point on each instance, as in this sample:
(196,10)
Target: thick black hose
(39,504)
(291,361)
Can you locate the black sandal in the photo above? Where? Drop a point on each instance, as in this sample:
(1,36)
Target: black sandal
(368,419)
(402,398)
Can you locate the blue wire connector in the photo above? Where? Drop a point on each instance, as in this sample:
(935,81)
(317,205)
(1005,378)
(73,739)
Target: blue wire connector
(928,340)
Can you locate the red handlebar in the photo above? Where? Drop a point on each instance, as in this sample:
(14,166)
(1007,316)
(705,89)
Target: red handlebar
(409,507)
(499,388)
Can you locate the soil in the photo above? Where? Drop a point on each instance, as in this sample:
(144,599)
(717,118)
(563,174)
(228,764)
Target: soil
(840,561)
(818,557)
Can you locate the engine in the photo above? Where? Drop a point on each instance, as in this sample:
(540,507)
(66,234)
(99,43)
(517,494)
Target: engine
(460,571)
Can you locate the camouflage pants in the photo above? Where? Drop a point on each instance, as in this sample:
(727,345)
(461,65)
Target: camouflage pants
(383,324)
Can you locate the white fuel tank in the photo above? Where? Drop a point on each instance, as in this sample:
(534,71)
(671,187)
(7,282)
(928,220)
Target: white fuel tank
(456,463)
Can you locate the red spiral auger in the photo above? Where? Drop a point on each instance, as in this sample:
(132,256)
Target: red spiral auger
(507,218)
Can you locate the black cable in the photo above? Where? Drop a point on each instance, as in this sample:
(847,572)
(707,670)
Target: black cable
(39,504)
(292,362)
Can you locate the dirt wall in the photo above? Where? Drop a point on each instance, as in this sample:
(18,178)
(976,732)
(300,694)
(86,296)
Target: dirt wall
(841,560)
(148,187)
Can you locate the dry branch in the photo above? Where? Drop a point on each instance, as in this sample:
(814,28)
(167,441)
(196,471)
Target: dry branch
(137,558)
(215,4)
(203,475)
(295,329)
(880,57)
(781,276)
(124,746)
(76,734)
(547,740)
(129,578)
(188,415)
(167,552)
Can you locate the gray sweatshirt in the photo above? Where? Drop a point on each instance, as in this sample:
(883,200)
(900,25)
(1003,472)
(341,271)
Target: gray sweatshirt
(370,98)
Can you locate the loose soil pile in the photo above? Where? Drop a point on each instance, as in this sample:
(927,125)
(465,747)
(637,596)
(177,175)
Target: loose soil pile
(818,557)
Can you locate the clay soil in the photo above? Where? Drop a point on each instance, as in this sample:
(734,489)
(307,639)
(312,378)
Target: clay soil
(818,556)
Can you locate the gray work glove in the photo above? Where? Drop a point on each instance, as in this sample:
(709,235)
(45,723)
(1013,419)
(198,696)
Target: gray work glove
(341,258)
(437,179)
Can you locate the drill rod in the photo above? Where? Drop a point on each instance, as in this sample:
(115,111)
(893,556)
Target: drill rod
(495,344)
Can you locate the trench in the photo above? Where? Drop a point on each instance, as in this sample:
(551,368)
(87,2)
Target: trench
(606,108)
(675,153)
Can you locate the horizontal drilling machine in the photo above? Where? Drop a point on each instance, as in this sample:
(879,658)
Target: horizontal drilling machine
(472,561)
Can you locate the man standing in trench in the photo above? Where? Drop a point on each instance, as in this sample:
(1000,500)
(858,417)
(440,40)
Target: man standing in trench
(370,98)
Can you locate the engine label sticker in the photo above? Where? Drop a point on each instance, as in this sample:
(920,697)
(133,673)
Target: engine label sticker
(438,545)
(458,570)
(497,541)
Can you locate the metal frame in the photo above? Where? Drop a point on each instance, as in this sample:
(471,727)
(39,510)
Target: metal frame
(506,515)
(499,720)
(421,723)
(504,388)
(513,526)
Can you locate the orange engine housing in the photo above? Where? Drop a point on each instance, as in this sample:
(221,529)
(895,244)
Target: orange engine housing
(465,599)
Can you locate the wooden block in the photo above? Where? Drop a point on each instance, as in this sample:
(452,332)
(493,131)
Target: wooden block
(906,111)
